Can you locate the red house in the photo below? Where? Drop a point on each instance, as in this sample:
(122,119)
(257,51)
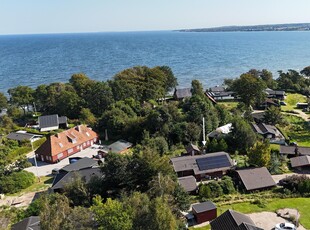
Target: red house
(204,212)
(66,143)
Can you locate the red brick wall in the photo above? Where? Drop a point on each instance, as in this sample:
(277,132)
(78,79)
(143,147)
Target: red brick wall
(205,216)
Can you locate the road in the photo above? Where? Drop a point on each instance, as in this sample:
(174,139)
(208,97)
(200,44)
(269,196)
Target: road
(45,169)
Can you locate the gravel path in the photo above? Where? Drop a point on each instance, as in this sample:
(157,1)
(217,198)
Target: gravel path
(268,220)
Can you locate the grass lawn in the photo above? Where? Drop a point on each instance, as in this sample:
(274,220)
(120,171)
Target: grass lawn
(298,130)
(301,204)
(291,100)
(229,105)
(202,228)
(45,183)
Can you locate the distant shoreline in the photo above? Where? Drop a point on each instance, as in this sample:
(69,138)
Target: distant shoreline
(255,28)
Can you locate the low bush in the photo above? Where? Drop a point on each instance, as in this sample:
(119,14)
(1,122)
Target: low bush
(16,181)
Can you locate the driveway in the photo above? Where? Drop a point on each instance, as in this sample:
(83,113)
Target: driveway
(268,220)
(45,169)
(277,178)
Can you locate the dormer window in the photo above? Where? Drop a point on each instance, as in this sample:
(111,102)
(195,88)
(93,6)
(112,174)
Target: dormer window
(87,134)
(61,145)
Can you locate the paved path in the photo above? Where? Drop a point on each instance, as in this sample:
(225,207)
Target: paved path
(277,178)
(268,220)
(45,169)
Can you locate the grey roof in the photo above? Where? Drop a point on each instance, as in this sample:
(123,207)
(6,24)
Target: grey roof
(291,150)
(256,178)
(258,115)
(117,146)
(65,178)
(275,92)
(62,120)
(182,93)
(81,164)
(192,147)
(30,223)
(217,89)
(232,220)
(300,161)
(48,121)
(203,207)
(188,183)
(22,136)
(263,128)
(186,163)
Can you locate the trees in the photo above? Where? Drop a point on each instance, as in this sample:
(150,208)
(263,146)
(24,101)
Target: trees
(242,136)
(111,215)
(77,191)
(292,81)
(3,102)
(197,88)
(21,96)
(306,71)
(273,116)
(259,154)
(249,88)
(87,117)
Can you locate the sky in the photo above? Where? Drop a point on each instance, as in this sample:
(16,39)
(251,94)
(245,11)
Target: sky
(71,16)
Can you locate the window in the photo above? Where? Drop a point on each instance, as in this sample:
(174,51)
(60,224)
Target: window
(78,147)
(87,142)
(70,151)
(84,144)
(60,155)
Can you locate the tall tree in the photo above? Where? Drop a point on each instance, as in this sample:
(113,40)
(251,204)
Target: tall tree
(3,101)
(306,71)
(259,155)
(21,96)
(273,116)
(111,215)
(249,88)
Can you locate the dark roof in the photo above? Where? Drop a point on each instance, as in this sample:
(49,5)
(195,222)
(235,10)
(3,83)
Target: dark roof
(263,128)
(182,93)
(81,164)
(203,207)
(217,89)
(207,163)
(48,121)
(117,147)
(192,147)
(30,223)
(62,120)
(256,178)
(188,183)
(232,220)
(211,98)
(65,178)
(300,161)
(291,150)
(275,92)
(22,136)
(258,115)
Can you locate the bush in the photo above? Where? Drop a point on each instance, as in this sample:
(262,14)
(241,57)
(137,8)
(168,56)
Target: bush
(16,181)
(227,185)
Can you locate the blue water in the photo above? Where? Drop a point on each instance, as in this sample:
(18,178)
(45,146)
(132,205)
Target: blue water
(210,57)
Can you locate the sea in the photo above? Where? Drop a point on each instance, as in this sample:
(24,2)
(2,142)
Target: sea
(209,57)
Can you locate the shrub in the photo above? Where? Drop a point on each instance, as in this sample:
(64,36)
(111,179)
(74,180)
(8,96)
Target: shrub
(227,185)
(16,181)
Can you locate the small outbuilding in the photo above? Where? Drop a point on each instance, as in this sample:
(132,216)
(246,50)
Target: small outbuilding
(192,150)
(204,212)
(188,183)
(291,151)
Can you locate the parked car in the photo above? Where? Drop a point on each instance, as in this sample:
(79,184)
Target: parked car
(283,103)
(285,226)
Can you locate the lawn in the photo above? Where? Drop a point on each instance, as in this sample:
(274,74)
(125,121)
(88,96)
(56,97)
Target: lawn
(229,105)
(297,129)
(291,101)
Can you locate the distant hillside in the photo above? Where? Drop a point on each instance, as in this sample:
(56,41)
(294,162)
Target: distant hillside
(275,27)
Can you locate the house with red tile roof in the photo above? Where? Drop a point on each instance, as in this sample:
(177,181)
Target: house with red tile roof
(66,143)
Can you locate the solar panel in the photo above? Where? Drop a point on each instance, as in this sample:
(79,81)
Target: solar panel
(213,162)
